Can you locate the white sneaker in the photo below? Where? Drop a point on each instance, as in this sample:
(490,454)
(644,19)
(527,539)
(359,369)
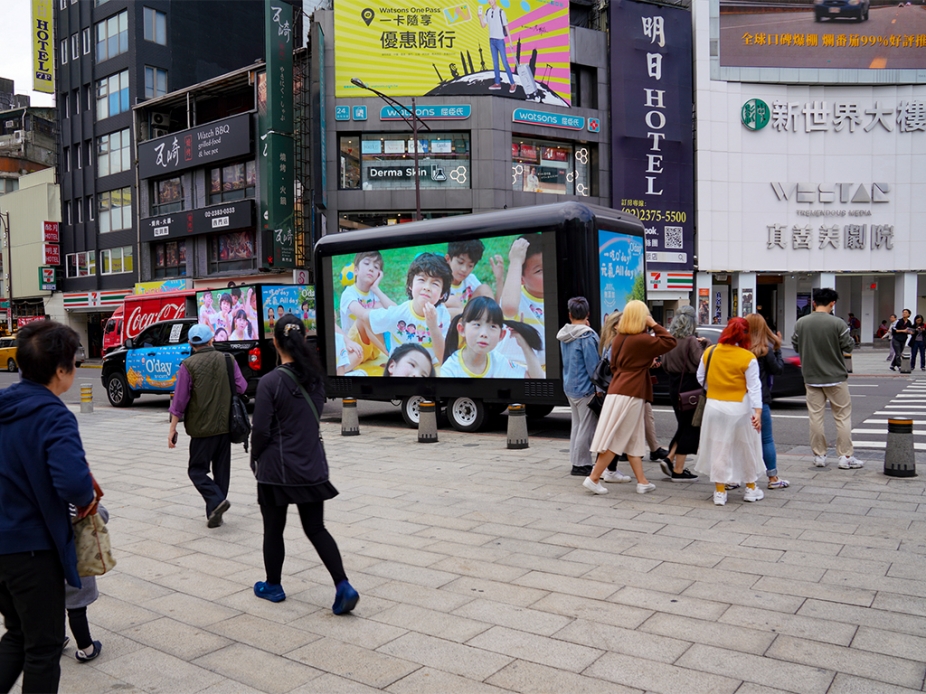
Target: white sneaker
(646,488)
(720,498)
(819,460)
(614,476)
(754,494)
(595,487)
(849,462)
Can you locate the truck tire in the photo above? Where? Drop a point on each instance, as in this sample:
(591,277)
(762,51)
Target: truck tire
(538,411)
(410,410)
(117,390)
(466,414)
(11,365)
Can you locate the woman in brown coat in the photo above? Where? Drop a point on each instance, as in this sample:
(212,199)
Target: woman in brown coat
(621,425)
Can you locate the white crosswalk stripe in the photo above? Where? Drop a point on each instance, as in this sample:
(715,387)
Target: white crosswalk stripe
(909,404)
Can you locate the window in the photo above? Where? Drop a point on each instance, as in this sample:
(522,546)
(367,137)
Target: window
(77,101)
(115,210)
(77,153)
(155,82)
(90,208)
(65,105)
(155,26)
(113,153)
(234,251)
(63,53)
(112,36)
(75,46)
(79,207)
(377,161)
(80,264)
(169,259)
(85,40)
(63,5)
(546,166)
(89,94)
(66,159)
(232,182)
(97,3)
(112,95)
(167,196)
(66,209)
(116,260)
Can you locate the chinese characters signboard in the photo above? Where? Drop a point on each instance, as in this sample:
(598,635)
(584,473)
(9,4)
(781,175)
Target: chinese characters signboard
(446,48)
(199,146)
(50,233)
(906,116)
(652,148)
(43,50)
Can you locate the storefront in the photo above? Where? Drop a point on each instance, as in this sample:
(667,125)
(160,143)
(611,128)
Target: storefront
(87,313)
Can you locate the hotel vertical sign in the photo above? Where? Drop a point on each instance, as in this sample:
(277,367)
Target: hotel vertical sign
(43,51)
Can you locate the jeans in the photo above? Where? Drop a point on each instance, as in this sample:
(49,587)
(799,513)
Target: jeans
(581,432)
(769,454)
(497,48)
(214,452)
(841,405)
(919,348)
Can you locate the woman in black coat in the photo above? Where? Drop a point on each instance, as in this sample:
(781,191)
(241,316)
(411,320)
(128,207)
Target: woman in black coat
(289,461)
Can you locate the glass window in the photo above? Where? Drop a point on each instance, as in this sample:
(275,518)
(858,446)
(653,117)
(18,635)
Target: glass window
(63,52)
(232,182)
(113,153)
(155,26)
(66,208)
(85,40)
(115,210)
(112,36)
(547,166)
(77,151)
(66,159)
(167,196)
(378,161)
(80,264)
(169,259)
(77,101)
(75,46)
(79,207)
(234,251)
(155,82)
(112,95)
(114,261)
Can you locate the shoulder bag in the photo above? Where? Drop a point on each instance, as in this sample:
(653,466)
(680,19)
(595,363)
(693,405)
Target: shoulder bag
(689,399)
(93,547)
(597,401)
(239,426)
(702,398)
(308,399)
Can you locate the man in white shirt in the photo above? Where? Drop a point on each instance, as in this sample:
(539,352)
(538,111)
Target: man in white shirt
(497,21)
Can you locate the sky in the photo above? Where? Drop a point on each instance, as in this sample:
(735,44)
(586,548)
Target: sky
(16,49)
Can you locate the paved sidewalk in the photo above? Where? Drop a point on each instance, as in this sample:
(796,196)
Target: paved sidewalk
(487,570)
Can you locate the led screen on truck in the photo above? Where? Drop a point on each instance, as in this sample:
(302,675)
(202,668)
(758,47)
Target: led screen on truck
(465,309)
(231,312)
(298,299)
(620,263)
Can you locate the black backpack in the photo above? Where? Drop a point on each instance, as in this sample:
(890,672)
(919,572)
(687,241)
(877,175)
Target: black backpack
(239,425)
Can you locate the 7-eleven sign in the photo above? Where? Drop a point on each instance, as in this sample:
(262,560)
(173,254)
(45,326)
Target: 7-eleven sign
(655,280)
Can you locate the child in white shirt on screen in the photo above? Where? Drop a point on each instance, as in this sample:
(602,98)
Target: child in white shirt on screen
(462,257)
(522,295)
(364,294)
(409,361)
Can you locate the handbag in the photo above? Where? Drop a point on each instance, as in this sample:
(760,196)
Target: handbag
(305,394)
(94,550)
(596,403)
(702,398)
(689,399)
(239,426)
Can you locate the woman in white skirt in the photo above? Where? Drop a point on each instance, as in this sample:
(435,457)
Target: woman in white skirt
(731,447)
(621,426)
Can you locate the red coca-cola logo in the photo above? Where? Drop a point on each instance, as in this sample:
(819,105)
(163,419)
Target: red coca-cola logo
(139,318)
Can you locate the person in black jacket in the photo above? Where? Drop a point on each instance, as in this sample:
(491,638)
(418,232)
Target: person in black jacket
(766,345)
(288,460)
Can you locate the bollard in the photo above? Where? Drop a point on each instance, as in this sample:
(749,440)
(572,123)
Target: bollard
(517,427)
(905,363)
(427,422)
(899,457)
(86,398)
(848,360)
(350,422)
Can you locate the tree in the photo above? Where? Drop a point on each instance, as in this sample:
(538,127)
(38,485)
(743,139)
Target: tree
(639,289)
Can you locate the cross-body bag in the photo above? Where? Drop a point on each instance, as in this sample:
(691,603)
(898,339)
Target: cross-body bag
(239,426)
(689,399)
(597,401)
(305,394)
(702,398)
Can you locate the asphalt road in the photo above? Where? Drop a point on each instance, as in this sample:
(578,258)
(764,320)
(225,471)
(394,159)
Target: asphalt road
(883,23)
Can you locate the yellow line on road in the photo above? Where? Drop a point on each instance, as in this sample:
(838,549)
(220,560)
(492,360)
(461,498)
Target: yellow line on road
(878,63)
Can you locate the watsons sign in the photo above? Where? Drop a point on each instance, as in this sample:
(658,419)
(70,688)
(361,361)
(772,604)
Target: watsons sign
(553,120)
(205,144)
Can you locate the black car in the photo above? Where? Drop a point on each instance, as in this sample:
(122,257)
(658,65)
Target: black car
(834,9)
(788,384)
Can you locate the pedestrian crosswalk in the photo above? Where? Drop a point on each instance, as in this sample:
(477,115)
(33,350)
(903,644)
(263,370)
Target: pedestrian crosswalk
(908,404)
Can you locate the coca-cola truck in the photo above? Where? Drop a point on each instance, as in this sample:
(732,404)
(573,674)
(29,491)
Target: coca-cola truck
(138,312)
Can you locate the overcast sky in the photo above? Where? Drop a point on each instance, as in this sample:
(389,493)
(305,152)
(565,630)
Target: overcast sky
(16,49)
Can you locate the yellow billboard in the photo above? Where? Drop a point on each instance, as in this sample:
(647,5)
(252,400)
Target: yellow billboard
(513,48)
(43,49)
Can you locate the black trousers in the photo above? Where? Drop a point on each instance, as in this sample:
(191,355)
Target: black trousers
(80,627)
(313,523)
(211,452)
(898,343)
(32,604)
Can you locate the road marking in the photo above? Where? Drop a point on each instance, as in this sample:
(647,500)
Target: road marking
(881,431)
(864,385)
(883,444)
(901,413)
(885,421)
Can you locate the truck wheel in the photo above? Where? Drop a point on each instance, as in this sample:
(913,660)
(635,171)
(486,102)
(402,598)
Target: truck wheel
(538,411)
(466,414)
(410,410)
(11,365)
(117,390)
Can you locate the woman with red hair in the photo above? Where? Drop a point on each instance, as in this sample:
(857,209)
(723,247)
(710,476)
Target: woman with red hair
(731,448)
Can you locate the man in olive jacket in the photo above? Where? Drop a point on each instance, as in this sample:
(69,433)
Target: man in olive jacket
(821,339)
(202,398)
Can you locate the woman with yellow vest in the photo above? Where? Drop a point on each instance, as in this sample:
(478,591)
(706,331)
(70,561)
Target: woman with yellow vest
(731,448)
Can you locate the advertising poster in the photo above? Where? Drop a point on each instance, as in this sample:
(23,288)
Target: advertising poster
(288,298)
(823,35)
(467,309)
(652,147)
(230,312)
(704,306)
(620,261)
(513,48)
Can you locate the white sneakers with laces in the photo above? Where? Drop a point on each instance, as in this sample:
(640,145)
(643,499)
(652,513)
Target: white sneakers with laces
(849,462)
(614,476)
(753,494)
(819,460)
(594,487)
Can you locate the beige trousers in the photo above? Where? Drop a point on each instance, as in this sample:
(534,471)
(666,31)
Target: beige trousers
(841,404)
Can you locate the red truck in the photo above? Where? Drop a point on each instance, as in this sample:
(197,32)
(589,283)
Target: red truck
(138,312)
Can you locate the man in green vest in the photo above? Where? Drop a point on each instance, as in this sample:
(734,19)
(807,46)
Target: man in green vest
(202,398)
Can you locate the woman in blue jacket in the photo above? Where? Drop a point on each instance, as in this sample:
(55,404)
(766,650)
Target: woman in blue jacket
(289,461)
(42,470)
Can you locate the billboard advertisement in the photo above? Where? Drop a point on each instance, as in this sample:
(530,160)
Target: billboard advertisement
(620,263)
(288,298)
(43,48)
(467,309)
(517,49)
(652,143)
(230,312)
(817,35)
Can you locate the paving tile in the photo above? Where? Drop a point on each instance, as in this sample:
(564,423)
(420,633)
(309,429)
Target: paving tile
(441,600)
(771,569)
(659,678)
(257,668)
(536,649)
(377,670)
(263,633)
(808,627)
(851,614)
(821,591)
(521,618)
(154,672)
(521,596)
(188,609)
(283,612)
(432,680)
(666,602)
(349,628)
(117,615)
(332,684)
(429,578)
(579,607)
(890,643)
(710,633)
(451,627)
(480,569)
(627,641)
(464,660)
(131,589)
(176,638)
(849,684)
(531,678)
(556,583)
(705,575)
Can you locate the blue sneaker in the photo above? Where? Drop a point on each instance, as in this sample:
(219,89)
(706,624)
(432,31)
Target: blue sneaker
(345,599)
(269,591)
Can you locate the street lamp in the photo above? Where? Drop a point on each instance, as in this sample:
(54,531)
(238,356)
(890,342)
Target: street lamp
(413,123)
(5,224)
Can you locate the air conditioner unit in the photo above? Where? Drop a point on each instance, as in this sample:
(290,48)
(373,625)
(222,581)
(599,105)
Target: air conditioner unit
(158,132)
(18,135)
(160,120)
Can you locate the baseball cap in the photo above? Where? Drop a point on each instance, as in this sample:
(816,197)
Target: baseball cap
(200,334)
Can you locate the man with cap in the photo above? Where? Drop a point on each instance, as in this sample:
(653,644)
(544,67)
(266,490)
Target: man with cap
(202,398)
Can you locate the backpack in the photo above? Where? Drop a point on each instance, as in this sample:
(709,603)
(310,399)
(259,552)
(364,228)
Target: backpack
(239,426)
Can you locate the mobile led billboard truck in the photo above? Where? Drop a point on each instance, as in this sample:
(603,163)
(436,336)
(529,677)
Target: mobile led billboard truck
(465,309)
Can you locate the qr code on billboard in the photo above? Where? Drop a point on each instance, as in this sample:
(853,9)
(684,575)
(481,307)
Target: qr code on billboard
(673,237)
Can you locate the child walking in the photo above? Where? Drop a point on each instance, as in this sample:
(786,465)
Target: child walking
(76,601)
